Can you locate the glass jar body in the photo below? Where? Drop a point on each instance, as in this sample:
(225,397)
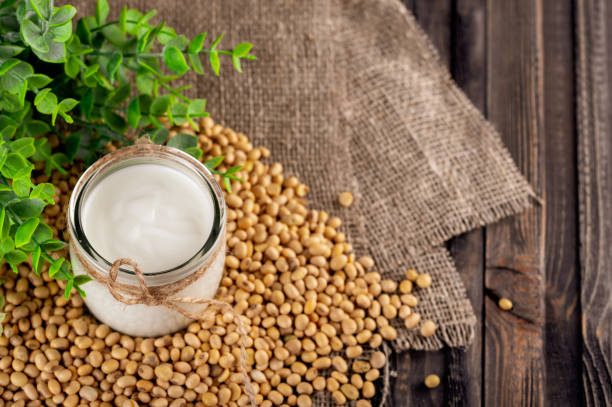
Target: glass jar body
(139,319)
(144,320)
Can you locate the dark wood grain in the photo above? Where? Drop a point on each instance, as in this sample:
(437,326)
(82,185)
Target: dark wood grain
(595,196)
(409,389)
(413,367)
(436,19)
(514,341)
(468,70)
(515,60)
(562,351)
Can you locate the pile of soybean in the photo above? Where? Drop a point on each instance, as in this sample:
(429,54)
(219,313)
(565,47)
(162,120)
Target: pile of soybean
(316,315)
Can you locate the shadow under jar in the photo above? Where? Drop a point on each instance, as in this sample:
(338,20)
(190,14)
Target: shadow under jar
(161,208)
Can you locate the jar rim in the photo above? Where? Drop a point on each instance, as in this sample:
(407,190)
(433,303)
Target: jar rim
(134,155)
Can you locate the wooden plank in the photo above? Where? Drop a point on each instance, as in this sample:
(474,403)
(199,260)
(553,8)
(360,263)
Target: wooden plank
(562,340)
(594,73)
(514,263)
(435,18)
(413,367)
(468,69)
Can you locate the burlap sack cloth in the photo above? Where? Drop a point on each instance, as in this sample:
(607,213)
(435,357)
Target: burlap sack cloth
(350,96)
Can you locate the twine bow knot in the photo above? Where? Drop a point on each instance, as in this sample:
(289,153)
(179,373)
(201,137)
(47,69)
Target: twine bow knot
(146,297)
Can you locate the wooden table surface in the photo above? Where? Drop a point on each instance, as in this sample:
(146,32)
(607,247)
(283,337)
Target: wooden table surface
(541,71)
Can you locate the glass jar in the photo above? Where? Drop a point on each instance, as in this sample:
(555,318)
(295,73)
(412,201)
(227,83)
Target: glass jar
(140,319)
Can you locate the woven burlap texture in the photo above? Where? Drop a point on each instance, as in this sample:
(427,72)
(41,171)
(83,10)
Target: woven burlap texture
(350,96)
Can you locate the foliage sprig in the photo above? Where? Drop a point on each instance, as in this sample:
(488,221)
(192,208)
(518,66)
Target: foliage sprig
(81,74)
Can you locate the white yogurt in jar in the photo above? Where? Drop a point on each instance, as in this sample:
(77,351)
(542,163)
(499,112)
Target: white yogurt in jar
(161,218)
(151,213)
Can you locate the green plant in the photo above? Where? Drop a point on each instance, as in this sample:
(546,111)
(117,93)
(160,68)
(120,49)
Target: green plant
(83,77)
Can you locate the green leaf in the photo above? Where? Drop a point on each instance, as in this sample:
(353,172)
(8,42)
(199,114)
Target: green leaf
(91,70)
(160,106)
(87,104)
(45,101)
(145,83)
(14,80)
(55,267)
(44,192)
(36,264)
(56,52)
(160,135)
(131,16)
(61,33)
(16,166)
(28,208)
(174,60)
(113,65)
(8,64)
(233,170)
(10,50)
(114,121)
(6,245)
(7,121)
(43,8)
(53,245)
(194,151)
(5,226)
(119,95)
(236,62)
(114,35)
(197,107)
(22,186)
(214,162)
(82,279)
(23,146)
(7,132)
(242,49)
(68,288)
(15,256)
(3,155)
(196,44)
(183,141)
(33,36)
(35,128)
(38,81)
(166,35)
(43,233)
(214,62)
(216,42)
(72,67)
(133,112)
(179,41)
(3,219)
(73,142)
(62,15)
(67,105)
(83,31)
(123,19)
(179,113)
(25,231)
(101,11)
(196,64)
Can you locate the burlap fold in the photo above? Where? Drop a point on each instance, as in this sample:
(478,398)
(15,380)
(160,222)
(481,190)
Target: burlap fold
(350,96)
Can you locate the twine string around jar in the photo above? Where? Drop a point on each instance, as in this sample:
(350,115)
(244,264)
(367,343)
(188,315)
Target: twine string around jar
(165,296)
